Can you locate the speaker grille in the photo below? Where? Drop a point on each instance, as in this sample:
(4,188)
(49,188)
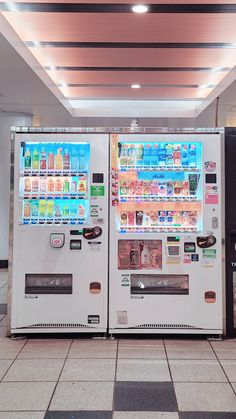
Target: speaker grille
(56,326)
(164,326)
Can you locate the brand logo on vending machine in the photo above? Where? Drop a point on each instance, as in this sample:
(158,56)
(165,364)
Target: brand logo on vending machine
(210,166)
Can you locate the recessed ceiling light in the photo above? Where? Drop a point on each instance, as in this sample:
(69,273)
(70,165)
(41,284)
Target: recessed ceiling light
(135,86)
(140,8)
(63,84)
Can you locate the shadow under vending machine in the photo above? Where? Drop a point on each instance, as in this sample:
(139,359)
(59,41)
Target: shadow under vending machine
(59,234)
(165,234)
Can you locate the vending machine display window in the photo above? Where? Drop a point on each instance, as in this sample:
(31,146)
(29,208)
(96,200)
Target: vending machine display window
(54,183)
(159,284)
(139,254)
(48,284)
(158,187)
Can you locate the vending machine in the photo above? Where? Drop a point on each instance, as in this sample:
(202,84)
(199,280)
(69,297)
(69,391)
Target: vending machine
(59,237)
(165,241)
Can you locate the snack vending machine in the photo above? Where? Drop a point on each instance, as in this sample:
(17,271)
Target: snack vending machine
(60,232)
(165,245)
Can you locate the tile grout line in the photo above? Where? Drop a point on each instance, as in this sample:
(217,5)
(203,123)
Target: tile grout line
(13,361)
(59,376)
(219,361)
(172,381)
(113,395)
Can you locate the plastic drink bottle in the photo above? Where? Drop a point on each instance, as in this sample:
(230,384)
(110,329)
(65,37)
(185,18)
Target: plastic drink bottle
(66,185)
(35,184)
(34,208)
(27,185)
(66,160)
(66,210)
(82,160)
(42,208)
(50,185)
(184,155)
(177,155)
(147,155)
(192,155)
(81,211)
(35,159)
(169,155)
(134,257)
(50,209)
(73,210)
(27,209)
(154,152)
(57,211)
(51,161)
(59,159)
(74,160)
(27,159)
(162,154)
(43,159)
(43,185)
(145,256)
(58,185)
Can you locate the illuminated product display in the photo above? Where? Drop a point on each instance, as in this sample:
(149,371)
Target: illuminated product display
(54,183)
(167,173)
(165,213)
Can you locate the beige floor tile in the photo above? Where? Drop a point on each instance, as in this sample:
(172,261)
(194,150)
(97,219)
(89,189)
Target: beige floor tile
(10,348)
(197,371)
(190,353)
(141,349)
(83,396)
(142,370)
(35,370)
(227,344)
(45,348)
(25,396)
(186,343)
(215,397)
(3,331)
(22,415)
(3,321)
(93,349)
(234,386)
(89,370)
(145,415)
(4,365)
(230,369)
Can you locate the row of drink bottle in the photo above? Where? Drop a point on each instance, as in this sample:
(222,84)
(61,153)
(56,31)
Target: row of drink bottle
(50,209)
(52,185)
(156,188)
(41,160)
(158,154)
(158,218)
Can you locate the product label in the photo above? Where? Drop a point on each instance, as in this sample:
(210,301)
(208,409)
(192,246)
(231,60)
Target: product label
(97,190)
(195,257)
(209,253)
(160,175)
(210,166)
(187,259)
(125,281)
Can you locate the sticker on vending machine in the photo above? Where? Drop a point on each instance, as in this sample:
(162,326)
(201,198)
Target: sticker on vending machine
(210,166)
(187,259)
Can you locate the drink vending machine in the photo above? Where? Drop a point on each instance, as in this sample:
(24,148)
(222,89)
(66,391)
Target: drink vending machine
(60,232)
(165,246)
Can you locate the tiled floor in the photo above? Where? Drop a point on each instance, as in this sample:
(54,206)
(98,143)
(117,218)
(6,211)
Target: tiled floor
(115,379)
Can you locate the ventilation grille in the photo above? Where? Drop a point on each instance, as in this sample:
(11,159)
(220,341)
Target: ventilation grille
(56,325)
(164,326)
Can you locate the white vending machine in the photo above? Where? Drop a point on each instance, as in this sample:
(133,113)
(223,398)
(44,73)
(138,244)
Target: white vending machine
(165,241)
(59,237)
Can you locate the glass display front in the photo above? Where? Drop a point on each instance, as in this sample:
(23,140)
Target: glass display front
(53,183)
(157,186)
(139,254)
(159,284)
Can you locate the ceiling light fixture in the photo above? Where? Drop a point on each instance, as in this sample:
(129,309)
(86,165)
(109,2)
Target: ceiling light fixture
(140,8)
(135,86)
(63,84)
